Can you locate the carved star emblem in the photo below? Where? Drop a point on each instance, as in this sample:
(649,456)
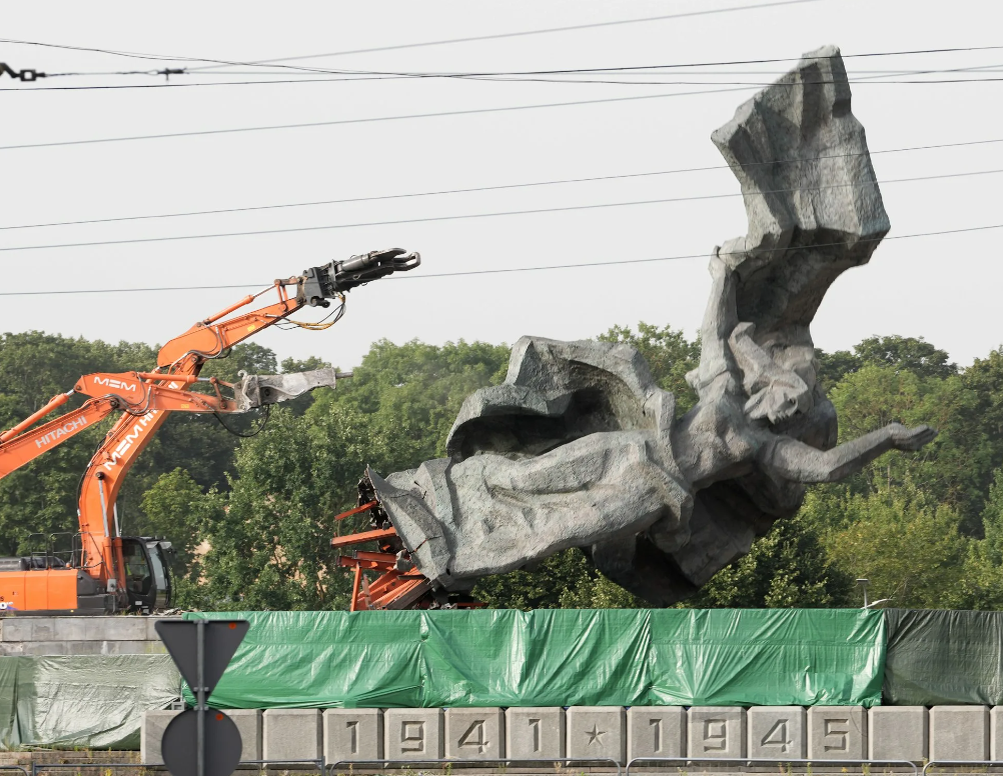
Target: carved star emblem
(595,735)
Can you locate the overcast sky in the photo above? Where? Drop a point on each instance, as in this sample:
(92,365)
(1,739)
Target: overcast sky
(944,288)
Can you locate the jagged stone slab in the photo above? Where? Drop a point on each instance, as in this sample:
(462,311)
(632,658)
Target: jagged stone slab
(580,448)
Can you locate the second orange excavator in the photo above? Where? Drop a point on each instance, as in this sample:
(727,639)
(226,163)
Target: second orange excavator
(103,571)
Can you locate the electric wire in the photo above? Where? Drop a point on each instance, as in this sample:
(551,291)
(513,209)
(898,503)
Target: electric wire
(366,120)
(403,117)
(216,63)
(503,76)
(463,216)
(278,61)
(490,188)
(501,270)
(500,79)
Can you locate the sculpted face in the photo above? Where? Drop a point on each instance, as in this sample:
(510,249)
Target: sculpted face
(778,376)
(785,396)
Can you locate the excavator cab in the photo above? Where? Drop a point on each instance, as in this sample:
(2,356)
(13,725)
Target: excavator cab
(147,573)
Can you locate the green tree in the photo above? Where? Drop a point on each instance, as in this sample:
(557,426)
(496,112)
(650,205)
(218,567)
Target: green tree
(669,355)
(788,567)
(272,548)
(954,469)
(907,546)
(910,353)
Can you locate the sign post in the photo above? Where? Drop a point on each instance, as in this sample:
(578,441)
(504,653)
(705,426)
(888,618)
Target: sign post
(201,741)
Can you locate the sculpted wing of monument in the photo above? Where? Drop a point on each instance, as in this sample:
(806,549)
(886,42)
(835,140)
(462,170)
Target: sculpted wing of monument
(580,448)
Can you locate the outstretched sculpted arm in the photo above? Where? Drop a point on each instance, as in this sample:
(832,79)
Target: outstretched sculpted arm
(794,460)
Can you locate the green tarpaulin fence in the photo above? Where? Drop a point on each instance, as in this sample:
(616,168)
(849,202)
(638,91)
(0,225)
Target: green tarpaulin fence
(740,657)
(91,701)
(944,657)
(555,658)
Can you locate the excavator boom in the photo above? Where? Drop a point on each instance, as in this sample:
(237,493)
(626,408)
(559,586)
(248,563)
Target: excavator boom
(101,564)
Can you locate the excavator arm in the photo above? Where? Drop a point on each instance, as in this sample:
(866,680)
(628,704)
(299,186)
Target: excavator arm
(146,399)
(137,393)
(19,447)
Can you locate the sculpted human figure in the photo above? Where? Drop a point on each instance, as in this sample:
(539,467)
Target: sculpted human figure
(580,448)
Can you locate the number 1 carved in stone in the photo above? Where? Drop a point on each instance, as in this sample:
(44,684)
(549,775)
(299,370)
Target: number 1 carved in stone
(535,724)
(657,725)
(353,735)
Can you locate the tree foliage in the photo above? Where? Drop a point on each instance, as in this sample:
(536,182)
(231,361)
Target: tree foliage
(252,517)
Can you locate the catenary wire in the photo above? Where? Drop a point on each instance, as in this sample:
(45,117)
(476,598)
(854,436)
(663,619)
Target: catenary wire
(373,119)
(216,63)
(356,75)
(362,75)
(463,216)
(492,188)
(280,60)
(368,120)
(582,81)
(503,269)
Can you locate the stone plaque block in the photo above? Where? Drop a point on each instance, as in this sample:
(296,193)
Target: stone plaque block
(716,731)
(291,734)
(154,725)
(597,732)
(959,733)
(352,734)
(534,731)
(656,731)
(412,734)
(837,733)
(475,733)
(897,733)
(776,731)
(248,722)
(996,733)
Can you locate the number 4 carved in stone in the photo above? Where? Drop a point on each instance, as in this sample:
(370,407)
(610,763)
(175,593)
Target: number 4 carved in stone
(777,736)
(474,737)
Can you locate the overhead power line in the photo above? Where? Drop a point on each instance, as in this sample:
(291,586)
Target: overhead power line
(368,120)
(216,63)
(527,79)
(487,188)
(438,114)
(499,270)
(504,75)
(464,216)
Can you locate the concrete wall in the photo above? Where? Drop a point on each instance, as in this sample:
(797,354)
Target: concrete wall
(91,635)
(777,733)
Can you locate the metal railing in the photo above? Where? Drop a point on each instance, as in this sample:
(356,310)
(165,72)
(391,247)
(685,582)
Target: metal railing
(506,761)
(36,767)
(942,763)
(262,765)
(751,761)
(14,768)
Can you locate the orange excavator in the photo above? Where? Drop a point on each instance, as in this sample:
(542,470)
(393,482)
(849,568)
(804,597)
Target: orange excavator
(105,572)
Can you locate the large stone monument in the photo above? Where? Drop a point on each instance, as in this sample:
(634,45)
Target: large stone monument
(580,448)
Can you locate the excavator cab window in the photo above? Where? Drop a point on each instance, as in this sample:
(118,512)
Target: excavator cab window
(139,579)
(160,554)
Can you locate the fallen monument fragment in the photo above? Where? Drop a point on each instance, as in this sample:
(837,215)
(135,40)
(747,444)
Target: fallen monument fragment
(580,448)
